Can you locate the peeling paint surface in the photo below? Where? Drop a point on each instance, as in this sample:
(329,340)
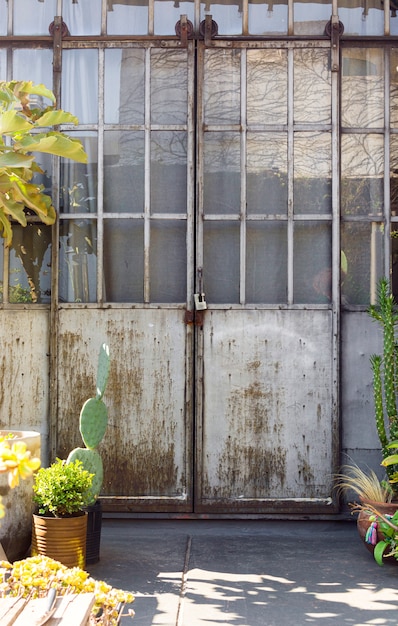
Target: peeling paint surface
(267,426)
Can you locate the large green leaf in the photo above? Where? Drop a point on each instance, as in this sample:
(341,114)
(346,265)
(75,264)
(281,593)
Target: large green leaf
(379,551)
(390,460)
(54,143)
(5,227)
(52,118)
(13,122)
(14,209)
(15,159)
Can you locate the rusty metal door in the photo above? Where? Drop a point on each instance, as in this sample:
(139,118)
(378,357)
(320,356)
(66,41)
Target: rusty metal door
(266,430)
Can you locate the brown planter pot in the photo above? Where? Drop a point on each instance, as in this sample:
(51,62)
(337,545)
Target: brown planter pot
(61,538)
(363,523)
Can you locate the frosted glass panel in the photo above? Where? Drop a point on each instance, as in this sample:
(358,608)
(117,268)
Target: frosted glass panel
(221,89)
(168,172)
(169,87)
(78,261)
(266,263)
(312,275)
(394,87)
(221,173)
(363,245)
(311,16)
(168,13)
(266,18)
(79,78)
(124,177)
(394,174)
(226,13)
(30,264)
(35,65)
(362,180)
(267,86)
(312,86)
(78,181)
(3,64)
(362,95)
(34,20)
(127,17)
(3,19)
(168,261)
(124,260)
(124,86)
(362,18)
(82,18)
(221,262)
(312,173)
(267,173)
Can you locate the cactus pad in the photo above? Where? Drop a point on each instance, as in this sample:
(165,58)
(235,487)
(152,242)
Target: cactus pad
(93,422)
(92,462)
(102,370)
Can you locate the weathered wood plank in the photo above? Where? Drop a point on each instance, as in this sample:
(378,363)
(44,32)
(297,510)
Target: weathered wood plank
(10,608)
(73,609)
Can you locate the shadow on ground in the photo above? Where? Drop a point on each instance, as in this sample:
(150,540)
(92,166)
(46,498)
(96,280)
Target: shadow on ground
(247,573)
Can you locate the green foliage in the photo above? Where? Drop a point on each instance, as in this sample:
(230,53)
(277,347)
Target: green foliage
(384,368)
(26,129)
(63,489)
(93,424)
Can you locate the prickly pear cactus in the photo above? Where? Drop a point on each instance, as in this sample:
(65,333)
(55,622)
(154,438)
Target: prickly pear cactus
(93,424)
(384,368)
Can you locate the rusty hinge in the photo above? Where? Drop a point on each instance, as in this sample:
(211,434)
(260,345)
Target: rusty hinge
(184,30)
(334,29)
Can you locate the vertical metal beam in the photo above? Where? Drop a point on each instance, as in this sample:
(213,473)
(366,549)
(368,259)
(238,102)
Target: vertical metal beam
(100,176)
(243,173)
(290,176)
(387,191)
(53,334)
(147,167)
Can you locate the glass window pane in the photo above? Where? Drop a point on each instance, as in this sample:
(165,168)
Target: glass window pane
(362,179)
(267,18)
(394,20)
(168,261)
(3,64)
(362,18)
(123,260)
(363,246)
(124,86)
(312,272)
(30,264)
(127,17)
(124,172)
(3,19)
(82,18)
(394,259)
(35,65)
(394,87)
(168,172)
(78,181)
(312,173)
(267,86)
(169,87)
(221,89)
(221,264)
(311,16)
(226,13)
(34,20)
(266,173)
(167,14)
(362,94)
(312,86)
(78,261)
(79,78)
(221,173)
(266,263)
(394,174)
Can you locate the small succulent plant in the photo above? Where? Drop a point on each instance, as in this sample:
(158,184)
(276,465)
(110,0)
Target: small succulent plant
(92,425)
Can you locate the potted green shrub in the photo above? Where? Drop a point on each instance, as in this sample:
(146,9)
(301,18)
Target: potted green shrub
(92,425)
(59,528)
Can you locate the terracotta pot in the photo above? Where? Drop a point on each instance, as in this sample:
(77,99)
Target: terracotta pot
(16,526)
(363,523)
(61,538)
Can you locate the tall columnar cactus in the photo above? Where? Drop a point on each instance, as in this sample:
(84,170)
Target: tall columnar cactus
(93,423)
(384,368)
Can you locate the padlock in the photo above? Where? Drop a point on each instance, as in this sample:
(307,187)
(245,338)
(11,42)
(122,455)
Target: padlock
(200,301)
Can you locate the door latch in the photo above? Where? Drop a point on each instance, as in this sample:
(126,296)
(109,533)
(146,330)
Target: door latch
(200,301)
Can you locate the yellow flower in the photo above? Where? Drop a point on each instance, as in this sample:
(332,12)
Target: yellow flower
(17,461)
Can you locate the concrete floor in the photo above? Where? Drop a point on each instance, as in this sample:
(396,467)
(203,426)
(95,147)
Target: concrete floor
(246,573)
